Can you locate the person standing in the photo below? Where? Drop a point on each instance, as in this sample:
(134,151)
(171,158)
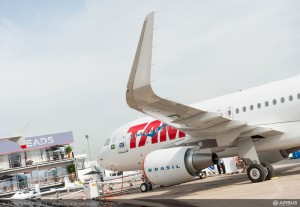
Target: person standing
(220,166)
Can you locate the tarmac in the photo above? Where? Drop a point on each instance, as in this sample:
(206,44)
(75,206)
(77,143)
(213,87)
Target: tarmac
(219,190)
(285,185)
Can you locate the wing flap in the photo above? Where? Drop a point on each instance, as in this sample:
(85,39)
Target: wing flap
(260,131)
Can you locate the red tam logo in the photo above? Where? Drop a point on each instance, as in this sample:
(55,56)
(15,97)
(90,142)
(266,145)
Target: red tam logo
(153,129)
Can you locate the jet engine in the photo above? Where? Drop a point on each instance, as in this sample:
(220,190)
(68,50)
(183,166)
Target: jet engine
(176,165)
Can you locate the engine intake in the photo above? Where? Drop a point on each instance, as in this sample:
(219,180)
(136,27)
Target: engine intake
(176,165)
(195,161)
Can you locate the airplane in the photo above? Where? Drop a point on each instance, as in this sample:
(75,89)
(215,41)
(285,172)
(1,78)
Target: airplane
(175,141)
(25,194)
(22,194)
(29,194)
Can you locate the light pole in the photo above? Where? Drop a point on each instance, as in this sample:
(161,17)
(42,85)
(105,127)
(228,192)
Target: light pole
(87,138)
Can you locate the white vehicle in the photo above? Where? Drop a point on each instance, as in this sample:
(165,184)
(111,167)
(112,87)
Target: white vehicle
(176,141)
(119,177)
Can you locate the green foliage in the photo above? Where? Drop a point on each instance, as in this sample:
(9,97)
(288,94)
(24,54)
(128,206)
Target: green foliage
(71,168)
(68,149)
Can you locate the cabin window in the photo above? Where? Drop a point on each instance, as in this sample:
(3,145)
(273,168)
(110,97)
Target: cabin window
(290,98)
(282,100)
(259,105)
(266,103)
(274,102)
(244,109)
(251,107)
(237,110)
(298,95)
(229,112)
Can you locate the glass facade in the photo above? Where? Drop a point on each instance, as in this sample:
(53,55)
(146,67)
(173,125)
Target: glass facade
(15,160)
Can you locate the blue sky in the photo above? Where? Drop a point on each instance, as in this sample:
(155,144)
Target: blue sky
(64,64)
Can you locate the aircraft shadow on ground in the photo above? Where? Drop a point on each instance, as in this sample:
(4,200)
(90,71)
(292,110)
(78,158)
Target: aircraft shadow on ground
(206,184)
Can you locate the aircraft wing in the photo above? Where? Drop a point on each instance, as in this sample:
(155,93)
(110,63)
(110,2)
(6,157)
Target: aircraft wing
(199,124)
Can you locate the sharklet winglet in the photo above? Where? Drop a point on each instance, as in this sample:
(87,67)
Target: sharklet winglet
(141,69)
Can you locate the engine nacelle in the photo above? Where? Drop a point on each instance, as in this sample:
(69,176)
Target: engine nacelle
(176,165)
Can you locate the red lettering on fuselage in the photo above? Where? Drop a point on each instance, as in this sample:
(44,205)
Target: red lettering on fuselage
(172,133)
(134,130)
(152,130)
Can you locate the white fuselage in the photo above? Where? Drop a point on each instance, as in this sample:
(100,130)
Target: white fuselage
(275,105)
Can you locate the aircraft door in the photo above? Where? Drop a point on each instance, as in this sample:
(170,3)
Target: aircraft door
(221,112)
(227,113)
(122,146)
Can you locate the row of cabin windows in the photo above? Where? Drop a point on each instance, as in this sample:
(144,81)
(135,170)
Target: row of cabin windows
(266,104)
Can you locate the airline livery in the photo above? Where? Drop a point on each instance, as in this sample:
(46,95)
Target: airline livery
(176,141)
